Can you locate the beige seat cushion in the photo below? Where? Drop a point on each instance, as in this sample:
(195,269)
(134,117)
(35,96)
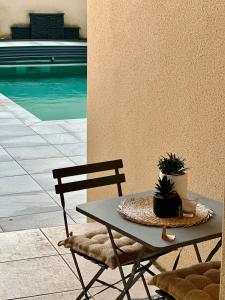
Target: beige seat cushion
(198,282)
(97,245)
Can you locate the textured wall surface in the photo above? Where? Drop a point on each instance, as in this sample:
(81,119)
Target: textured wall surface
(157,84)
(15,12)
(222,285)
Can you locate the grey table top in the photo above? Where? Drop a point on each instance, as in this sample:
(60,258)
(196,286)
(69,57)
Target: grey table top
(105,212)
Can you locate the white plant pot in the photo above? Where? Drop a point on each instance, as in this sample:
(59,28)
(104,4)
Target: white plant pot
(180,184)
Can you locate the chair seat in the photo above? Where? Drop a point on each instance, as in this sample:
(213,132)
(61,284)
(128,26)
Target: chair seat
(198,282)
(97,245)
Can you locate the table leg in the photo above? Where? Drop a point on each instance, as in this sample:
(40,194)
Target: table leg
(118,261)
(214,250)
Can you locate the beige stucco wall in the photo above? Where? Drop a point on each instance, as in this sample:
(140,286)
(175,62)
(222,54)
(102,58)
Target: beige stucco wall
(157,84)
(17,12)
(222,292)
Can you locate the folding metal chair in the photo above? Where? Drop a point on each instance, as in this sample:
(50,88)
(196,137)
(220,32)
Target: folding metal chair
(115,179)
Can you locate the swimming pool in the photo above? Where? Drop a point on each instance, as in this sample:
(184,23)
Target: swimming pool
(49,93)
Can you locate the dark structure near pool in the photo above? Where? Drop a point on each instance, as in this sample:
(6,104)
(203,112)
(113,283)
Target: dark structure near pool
(45,26)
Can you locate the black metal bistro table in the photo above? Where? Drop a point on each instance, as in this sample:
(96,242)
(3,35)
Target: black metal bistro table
(105,212)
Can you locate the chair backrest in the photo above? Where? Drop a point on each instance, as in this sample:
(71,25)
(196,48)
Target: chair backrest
(62,188)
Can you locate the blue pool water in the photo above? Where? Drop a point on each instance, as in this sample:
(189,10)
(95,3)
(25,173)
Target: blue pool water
(50,93)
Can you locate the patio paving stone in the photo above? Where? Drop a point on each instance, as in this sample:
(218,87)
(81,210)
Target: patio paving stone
(21,113)
(47,219)
(18,184)
(4,156)
(81,135)
(3,108)
(12,121)
(73,125)
(26,278)
(22,153)
(57,296)
(60,138)
(138,291)
(48,129)
(22,141)
(73,149)
(6,115)
(89,269)
(24,245)
(78,159)
(71,199)
(11,168)
(44,165)
(27,145)
(26,204)
(76,216)
(30,121)
(15,130)
(108,294)
(51,122)
(47,182)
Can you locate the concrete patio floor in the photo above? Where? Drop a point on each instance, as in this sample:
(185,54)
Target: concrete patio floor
(32,266)
(29,150)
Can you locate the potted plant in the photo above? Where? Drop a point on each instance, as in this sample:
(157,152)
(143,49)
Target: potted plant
(166,202)
(174,168)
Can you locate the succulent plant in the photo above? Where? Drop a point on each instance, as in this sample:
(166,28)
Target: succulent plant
(164,188)
(172,164)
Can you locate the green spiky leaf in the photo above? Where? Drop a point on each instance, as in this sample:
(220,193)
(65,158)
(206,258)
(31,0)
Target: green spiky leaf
(172,164)
(164,188)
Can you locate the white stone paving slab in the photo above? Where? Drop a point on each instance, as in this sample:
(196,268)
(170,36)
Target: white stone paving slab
(89,270)
(47,219)
(60,138)
(26,278)
(6,115)
(15,130)
(22,141)
(12,121)
(81,135)
(4,156)
(26,204)
(21,153)
(74,125)
(31,120)
(45,180)
(27,142)
(44,165)
(51,122)
(76,216)
(57,296)
(3,108)
(48,129)
(11,168)
(71,199)
(24,245)
(79,159)
(73,149)
(18,184)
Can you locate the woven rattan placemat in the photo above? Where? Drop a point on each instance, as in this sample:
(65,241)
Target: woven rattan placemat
(140,211)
